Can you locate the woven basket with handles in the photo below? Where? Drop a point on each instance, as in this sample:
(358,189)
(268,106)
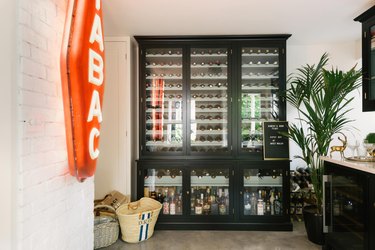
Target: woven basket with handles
(137,219)
(106,228)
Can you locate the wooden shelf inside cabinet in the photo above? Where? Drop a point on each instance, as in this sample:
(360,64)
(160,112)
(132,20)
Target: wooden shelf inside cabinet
(163,181)
(208,89)
(209,121)
(209,181)
(265,181)
(244,77)
(159,55)
(163,67)
(260,55)
(208,66)
(164,144)
(208,55)
(209,144)
(163,78)
(163,121)
(257,120)
(272,66)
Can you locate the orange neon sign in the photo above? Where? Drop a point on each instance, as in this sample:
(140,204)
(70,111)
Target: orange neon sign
(82,76)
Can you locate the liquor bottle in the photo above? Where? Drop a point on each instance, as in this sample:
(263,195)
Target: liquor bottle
(272,203)
(172,206)
(268,208)
(247,205)
(206,206)
(226,193)
(277,205)
(198,206)
(253,203)
(214,204)
(179,206)
(260,207)
(153,195)
(165,205)
(192,200)
(160,197)
(222,206)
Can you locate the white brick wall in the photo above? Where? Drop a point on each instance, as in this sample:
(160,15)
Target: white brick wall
(54,210)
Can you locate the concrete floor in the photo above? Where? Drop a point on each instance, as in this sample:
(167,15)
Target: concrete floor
(220,240)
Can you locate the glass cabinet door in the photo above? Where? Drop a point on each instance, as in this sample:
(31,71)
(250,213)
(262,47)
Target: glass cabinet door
(258,93)
(262,192)
(209,192)
(371,90)
(164,100)
(348,209)
(209,100)
(165,186)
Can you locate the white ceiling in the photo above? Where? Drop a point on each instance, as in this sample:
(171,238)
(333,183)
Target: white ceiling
(309,21)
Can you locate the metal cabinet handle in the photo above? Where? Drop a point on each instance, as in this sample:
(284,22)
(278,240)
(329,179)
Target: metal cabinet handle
(326,179)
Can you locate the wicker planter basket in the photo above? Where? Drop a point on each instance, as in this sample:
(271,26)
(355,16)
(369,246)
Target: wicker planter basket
(106,228)
(138,219)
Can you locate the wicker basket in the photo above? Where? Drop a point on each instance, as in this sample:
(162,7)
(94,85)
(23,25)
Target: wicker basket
(138,219)
(106,228)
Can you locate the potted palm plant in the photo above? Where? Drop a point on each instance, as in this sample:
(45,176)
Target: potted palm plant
(321,98)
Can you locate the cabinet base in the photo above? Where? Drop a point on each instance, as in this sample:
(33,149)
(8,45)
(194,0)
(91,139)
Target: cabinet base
(287,226)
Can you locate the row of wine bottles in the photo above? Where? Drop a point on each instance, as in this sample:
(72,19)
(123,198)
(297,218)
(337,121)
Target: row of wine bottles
(259,51)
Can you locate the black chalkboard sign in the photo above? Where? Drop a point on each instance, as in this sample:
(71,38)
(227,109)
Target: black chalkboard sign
(275,145)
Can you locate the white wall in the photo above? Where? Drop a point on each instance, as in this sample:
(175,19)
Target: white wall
(8,123)
(114,164)
(344,56)
(54,210)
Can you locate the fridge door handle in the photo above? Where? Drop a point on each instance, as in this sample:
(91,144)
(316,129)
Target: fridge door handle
(327,180)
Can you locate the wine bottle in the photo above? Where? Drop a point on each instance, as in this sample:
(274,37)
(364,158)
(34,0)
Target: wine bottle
(172,206)
(209,127)
(209,138)
(260,207)
(272,203)
(202,128)
(247,205)
(222,206)
(165,205)
(206,206)
(253,203)
(214,204)
(277,205)
(192,200)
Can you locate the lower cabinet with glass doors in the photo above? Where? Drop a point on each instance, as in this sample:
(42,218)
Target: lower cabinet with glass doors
(223,195)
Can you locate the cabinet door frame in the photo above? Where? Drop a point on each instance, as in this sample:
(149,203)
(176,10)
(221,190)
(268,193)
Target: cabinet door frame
(210,45)
(237,48)
(213,165)
(367,104)
(283,166)
(142,103)
(142,166)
